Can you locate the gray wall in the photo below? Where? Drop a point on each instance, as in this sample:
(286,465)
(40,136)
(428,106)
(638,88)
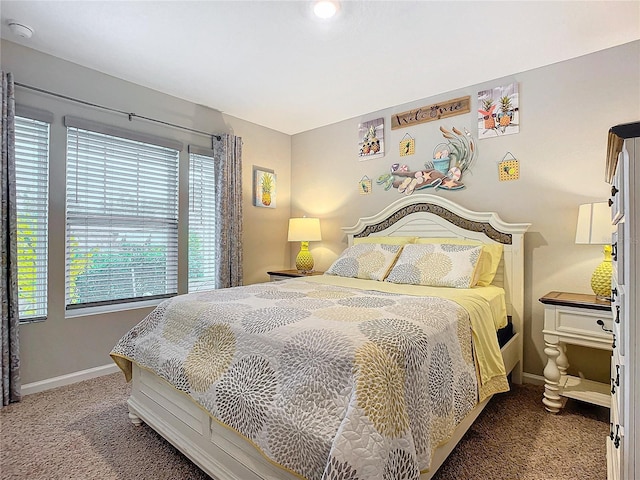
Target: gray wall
(566,110)
(62,345)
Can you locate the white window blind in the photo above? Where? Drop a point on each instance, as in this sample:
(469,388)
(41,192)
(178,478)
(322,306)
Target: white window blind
(202,235)
(32,203)
(122,220)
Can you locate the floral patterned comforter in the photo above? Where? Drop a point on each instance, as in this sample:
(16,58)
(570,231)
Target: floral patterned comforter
(327,381)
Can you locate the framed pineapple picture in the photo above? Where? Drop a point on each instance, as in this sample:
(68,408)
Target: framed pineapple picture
(498,111)
(264,187)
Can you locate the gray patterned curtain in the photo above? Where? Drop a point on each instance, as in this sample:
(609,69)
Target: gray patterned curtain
(228,160)
(8,237)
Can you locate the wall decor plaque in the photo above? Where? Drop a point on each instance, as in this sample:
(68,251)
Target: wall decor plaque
(407,145)
(445,109)
(508,169)
(364,186)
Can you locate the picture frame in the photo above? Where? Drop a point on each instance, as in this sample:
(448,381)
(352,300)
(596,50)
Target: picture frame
(498,111)
(264,187)
(371,143)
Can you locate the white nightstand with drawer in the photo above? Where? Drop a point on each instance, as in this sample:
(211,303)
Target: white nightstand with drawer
(575,319)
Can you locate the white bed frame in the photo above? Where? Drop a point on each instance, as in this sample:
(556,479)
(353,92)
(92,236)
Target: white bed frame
(225,455)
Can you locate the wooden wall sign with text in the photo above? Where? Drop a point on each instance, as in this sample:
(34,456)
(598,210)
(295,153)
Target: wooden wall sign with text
(457,106)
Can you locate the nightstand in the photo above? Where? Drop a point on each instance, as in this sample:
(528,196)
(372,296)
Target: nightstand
(286,274)
(575,319)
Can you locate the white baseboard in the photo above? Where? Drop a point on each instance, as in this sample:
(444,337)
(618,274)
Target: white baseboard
(75,377)
(531,378)
(68,379)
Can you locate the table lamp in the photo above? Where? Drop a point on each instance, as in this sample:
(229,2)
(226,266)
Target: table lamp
(304,230)
(594,228)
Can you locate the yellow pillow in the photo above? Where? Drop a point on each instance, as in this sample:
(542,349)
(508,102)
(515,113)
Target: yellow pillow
(489,260)
(384,240)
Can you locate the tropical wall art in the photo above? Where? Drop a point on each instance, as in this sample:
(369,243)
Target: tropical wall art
(498,111)
(407,145)
(371,135)
(264,187)
(508,168)
(364,186)
(450,160)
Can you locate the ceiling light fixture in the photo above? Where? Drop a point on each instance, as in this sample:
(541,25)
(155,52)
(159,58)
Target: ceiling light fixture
(20,29)
(325,9)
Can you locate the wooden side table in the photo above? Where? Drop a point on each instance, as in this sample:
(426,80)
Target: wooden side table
(575,319)
(277,275)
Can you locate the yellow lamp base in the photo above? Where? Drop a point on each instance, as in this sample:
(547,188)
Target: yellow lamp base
(304,260)
(601,278)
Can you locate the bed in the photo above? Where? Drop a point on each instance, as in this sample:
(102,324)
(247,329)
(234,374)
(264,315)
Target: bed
(368,422)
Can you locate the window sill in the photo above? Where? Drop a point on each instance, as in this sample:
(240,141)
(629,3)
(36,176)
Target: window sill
(28,321)
(118,307)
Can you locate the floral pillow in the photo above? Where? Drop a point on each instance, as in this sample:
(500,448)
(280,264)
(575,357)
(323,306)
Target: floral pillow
(437,265)
(370,261)
(489,259)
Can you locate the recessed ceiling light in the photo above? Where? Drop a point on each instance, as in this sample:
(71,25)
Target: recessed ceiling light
(325,8)
(20,29)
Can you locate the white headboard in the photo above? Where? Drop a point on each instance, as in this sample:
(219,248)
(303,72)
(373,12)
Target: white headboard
(425,215)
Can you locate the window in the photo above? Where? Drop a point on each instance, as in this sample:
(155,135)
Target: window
(122,219)
(202,235)
(32,204)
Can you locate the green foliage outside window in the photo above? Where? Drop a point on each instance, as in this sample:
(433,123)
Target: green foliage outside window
(196,257)
(137,270)
(27,248)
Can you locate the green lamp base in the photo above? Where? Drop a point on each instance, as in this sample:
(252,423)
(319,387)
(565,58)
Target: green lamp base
(304,260)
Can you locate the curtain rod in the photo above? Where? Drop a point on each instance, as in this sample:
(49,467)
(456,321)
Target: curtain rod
(129,114)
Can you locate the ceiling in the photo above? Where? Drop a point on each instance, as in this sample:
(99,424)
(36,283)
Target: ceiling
(274,64)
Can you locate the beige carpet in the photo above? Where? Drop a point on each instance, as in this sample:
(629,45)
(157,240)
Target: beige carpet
(82,432)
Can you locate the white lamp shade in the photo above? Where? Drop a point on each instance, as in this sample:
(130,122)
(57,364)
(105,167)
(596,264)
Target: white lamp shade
(594,224)
(304,229)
